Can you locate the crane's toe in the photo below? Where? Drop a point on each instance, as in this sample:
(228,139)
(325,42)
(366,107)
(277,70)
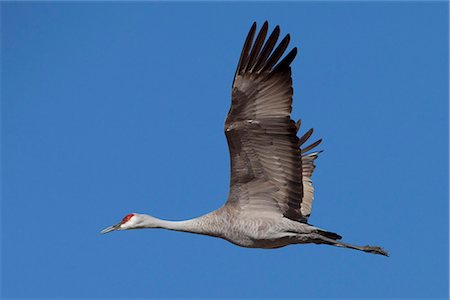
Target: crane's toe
(375,250)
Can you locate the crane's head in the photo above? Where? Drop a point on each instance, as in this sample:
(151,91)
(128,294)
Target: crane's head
(128,222)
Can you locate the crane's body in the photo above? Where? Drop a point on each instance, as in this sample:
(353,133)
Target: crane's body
(271,191)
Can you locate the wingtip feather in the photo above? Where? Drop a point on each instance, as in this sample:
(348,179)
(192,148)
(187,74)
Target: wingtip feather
(312,146)
(306,136)
(256,47)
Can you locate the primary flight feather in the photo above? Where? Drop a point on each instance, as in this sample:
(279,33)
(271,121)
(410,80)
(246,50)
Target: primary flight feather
(271,191)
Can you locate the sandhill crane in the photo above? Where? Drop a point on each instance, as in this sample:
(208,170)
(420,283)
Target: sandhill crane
(271,190)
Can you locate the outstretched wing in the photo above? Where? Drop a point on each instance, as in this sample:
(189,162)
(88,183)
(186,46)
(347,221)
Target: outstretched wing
(308,167)
(266,159)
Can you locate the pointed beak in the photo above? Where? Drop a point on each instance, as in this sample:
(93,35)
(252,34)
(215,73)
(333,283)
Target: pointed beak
(110,228)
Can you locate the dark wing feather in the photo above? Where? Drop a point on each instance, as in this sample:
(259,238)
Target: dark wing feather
(257,46)
(277,54)
(245,50)
(266,159)
(268,47)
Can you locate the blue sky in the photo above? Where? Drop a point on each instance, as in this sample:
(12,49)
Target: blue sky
(113,108)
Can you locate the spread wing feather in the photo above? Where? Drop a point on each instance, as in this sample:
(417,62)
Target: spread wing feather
(269,173)
(308,189)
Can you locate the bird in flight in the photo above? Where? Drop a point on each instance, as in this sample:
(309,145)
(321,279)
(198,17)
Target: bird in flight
(271,191)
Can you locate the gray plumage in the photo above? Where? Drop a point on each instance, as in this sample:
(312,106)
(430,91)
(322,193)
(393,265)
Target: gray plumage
(271,191)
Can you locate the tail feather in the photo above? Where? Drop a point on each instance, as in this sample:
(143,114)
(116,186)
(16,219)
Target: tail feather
(330,235)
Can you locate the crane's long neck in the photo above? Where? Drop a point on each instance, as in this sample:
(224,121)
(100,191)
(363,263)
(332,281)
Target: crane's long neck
(187,225)
(201,225)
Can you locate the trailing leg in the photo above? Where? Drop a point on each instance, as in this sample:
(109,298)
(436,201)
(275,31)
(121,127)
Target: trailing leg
(321,239)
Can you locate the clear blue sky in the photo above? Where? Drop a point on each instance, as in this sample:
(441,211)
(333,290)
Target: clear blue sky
(113,108)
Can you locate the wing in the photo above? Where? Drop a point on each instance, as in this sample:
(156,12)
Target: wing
(308,167)
(308,188)
(266,159)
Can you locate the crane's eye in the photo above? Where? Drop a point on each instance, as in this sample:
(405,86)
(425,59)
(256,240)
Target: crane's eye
(127,218)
